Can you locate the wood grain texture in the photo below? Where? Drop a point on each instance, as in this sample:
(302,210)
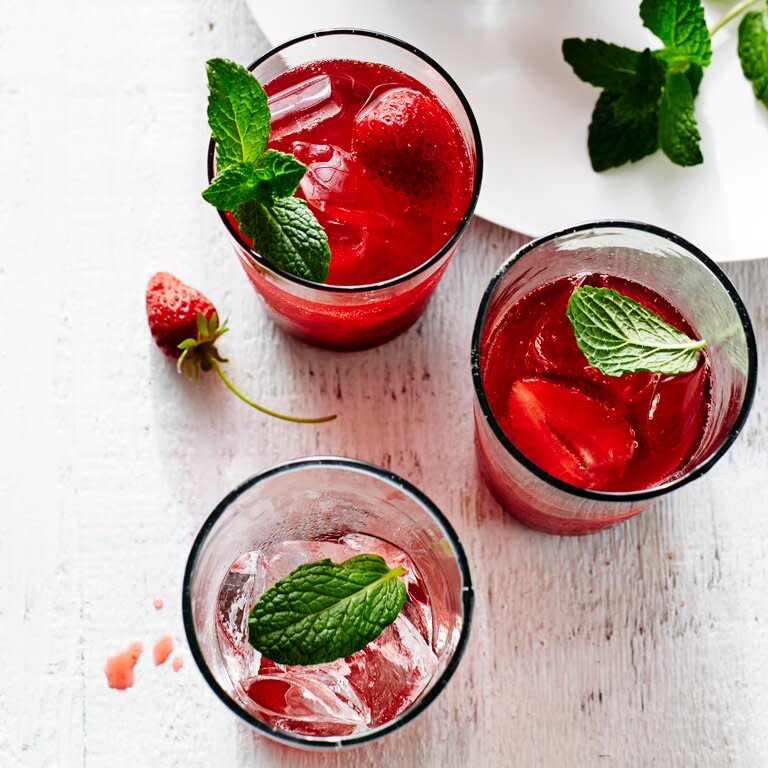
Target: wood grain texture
(644,645)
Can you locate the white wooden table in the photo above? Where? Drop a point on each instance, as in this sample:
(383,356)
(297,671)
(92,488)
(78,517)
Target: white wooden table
(645,645)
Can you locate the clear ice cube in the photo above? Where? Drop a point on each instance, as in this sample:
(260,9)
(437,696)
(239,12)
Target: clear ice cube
(303,106)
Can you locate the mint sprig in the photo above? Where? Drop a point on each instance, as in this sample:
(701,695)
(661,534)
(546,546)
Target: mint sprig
(257,184)
(324,611)
(271,176)
(619,335)
(753,51)
(648,97)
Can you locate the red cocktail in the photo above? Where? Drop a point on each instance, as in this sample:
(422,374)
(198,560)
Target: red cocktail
(567,448)
(394,164)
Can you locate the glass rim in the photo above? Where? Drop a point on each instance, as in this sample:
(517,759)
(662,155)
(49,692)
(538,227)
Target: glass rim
(467,603)
(590,493)
(460,227)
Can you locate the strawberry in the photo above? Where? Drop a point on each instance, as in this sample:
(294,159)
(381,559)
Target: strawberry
(568,433)
(172,308)
(185,325)
(407,140)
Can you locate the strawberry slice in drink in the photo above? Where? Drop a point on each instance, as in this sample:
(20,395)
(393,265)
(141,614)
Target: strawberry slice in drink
(408,142)
(571,435)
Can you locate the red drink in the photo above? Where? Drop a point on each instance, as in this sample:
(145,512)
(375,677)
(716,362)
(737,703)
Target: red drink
(378,226)
(561,446)
(393,174)
(588,429)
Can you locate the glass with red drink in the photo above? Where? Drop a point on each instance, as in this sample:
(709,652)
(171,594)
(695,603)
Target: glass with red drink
(394,168)
(568,449)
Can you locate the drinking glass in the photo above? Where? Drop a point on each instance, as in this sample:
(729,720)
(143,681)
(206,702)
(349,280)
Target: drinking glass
(689,281)
(356,316)
(325,499)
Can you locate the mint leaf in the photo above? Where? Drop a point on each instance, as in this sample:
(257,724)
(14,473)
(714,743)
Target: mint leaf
(641,96)
(618,335)
(694,73)
(678,133)
(238,113)
(602,64)
(287,233)
(617,139)
(325,611)
(275,174)
(681,26)
(753,52)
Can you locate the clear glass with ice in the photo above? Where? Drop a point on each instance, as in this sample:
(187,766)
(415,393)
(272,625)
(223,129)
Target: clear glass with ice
(301,512)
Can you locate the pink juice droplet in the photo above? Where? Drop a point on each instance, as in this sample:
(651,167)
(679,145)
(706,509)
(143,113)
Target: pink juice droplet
(158,603)
(177,663)
(119,668)
(162,650)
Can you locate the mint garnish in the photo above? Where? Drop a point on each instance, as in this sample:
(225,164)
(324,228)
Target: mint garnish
(753,51)
(290,233)
(678,134)
(648,97)
(618,335)
(273,175)
(324,611)
(238,113)
(257,184)
(680,25)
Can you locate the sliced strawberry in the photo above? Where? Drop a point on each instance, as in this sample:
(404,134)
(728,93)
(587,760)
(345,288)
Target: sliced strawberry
(569,434)
(409,142)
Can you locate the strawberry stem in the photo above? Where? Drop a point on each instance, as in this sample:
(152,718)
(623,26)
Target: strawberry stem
(223,376)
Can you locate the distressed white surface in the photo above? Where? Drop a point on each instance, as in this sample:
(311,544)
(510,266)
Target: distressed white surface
(645,645)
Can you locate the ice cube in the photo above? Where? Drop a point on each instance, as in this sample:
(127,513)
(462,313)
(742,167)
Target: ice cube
(390,673)
(239,591)
(308,699)
(303,106)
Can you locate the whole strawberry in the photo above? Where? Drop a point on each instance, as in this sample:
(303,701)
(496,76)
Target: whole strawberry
(172,308)
(408,141)
(185,325)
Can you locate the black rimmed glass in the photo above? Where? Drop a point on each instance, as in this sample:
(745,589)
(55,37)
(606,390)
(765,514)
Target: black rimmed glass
(357,316)
(693,284)
(326,499)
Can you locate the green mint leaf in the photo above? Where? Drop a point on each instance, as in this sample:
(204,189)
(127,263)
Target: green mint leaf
(238,113)
(753,52)
(614,140)
(288,235)
(325,611)
(641,97)
(602,64)
(681,26)
(618,335)
(694,73)
(275,174)
(678,133)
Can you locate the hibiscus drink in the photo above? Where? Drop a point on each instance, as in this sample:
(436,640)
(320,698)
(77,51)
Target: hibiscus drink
(612,433)
(575,433)
(388,169)
(393,170)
